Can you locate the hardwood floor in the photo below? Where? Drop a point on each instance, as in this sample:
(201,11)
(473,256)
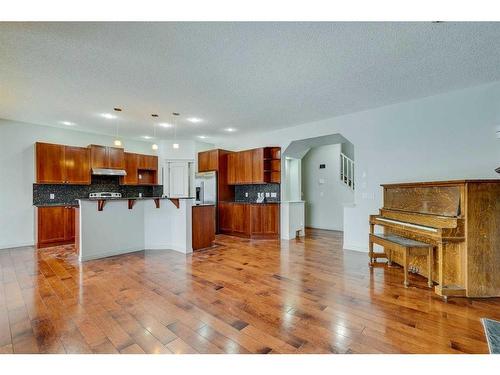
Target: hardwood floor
(301,296)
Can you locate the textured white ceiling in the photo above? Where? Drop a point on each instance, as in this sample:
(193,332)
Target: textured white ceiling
(250,76)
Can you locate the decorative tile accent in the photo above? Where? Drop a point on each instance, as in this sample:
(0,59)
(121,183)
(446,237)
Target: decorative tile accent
(252,190)
(68,194)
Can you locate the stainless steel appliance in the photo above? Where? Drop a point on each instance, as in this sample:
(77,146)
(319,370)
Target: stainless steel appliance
(108,172)
(105,195)
(206,187)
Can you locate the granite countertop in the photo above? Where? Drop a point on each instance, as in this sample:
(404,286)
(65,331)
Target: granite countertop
(56,204)
(127,198)
(246,202)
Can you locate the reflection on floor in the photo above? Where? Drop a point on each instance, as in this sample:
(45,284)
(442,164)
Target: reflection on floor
(300,296)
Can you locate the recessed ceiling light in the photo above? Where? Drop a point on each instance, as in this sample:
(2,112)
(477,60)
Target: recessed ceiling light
(202,136)
(175,145)
(165,125)
(194,120)
(230,130)
(109,116)
(68,123)
(146,137)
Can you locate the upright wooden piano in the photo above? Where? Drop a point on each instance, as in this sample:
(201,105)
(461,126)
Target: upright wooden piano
(461,219)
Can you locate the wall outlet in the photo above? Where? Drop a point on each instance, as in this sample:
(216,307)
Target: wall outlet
(268,195)
(274,195)
(246,194)
(140,176)
(52,196)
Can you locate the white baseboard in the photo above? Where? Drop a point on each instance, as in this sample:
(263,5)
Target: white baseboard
(15,245)
(353,247)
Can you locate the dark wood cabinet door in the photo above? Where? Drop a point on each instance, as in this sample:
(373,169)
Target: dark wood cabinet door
(265,219)
(225,217)
(77,165)
(245,167)
(131,164)
(232,163)
(116,158)
(51,224)
(98,156)
(213,160)
(69,224)
(241,218)
(203,235)
(258,166)
(50,168)
(203,161)
(147,162)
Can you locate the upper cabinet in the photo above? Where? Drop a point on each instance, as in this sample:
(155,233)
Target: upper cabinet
(257,166)
(141,169)
(131,163)
(208,161)
(59,164)
(107,157)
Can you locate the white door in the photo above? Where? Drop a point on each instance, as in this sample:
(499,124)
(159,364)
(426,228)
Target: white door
(178,179)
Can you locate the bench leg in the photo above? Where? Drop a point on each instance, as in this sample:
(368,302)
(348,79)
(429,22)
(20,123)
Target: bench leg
(430,257)
(405,266)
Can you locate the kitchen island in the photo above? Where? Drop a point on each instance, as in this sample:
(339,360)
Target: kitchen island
(113,226)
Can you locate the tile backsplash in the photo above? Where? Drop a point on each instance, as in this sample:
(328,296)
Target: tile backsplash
(67,194)
(252,190)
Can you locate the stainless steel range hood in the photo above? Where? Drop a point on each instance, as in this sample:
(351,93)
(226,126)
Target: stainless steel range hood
(108,172)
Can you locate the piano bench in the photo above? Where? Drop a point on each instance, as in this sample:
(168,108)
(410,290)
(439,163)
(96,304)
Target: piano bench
(407,246)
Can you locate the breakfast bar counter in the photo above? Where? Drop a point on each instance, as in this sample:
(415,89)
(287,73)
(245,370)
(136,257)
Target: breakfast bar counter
(113,226)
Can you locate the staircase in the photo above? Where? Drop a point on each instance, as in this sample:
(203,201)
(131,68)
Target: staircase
(347,171)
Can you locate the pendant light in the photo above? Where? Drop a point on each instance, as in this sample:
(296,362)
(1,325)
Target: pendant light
(117,142)
(154,146)
(175,144)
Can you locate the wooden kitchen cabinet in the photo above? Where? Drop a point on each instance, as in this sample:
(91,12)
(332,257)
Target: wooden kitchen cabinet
(104,157)
(131,164)
(77,165)
(257,166)
(208,161)
(203,233)
(60,164)
(232,163)
(265,220)
(55,225)
(147,162)
(250,220)
(240,217)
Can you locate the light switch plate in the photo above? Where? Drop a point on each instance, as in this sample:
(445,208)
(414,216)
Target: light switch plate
(52,196)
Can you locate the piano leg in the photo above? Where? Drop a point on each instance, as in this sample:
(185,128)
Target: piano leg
(430,258)
(406,255)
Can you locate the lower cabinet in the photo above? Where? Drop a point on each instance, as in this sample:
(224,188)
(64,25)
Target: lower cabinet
(250,220)
(55,225)
(203,226)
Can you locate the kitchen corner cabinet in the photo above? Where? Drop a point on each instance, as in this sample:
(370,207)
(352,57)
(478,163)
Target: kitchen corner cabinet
(60,164)
(257,166)
(55,225)
(105,157)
